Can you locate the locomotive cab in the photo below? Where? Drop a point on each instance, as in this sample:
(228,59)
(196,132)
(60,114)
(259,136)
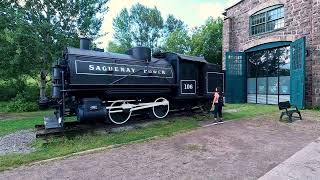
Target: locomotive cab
(196,79)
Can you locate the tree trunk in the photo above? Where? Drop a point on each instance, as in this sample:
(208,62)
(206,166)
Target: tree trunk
(43,83)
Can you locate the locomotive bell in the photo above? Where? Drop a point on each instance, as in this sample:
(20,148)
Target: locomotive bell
(141,53)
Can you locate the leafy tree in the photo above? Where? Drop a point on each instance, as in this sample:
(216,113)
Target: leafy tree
(19,44)
(141,26)
(147,24)
(117,48)
(48,26)
(123,36)
(173,24)
(178,41)
(207,41)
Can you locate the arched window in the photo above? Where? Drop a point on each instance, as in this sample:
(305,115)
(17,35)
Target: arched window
(267,20)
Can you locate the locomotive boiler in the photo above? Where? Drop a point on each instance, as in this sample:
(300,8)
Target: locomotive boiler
(94,85)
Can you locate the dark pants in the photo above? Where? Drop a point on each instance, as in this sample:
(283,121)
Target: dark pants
(217,110)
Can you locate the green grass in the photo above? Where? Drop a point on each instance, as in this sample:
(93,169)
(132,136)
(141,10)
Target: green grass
(65,146)
(248,110)
(10,126)
(23,115)
(21,121)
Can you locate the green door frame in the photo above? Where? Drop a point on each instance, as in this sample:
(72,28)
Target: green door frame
(297,72)
(236,75)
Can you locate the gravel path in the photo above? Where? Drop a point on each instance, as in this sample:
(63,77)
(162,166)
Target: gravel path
(17,142)
(244,149)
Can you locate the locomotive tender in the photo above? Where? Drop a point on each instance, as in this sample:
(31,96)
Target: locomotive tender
(97,85)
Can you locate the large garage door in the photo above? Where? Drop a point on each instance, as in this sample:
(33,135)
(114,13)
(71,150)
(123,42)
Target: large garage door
(297,71)
(235,77)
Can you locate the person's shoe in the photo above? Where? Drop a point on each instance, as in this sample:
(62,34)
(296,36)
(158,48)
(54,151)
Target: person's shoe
(215,120)
(221,121)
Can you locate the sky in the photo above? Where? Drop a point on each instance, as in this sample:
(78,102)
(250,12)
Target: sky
(193,12)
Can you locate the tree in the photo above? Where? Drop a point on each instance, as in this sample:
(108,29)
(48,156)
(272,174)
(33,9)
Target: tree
(52,25)
(147,24)
(122,28)
(117,48)
(141,26)
(19,44)
(173,24)
(207,41)
(178,41)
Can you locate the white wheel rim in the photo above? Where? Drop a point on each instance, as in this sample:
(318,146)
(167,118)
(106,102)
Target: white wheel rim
(116,122)
(154,113)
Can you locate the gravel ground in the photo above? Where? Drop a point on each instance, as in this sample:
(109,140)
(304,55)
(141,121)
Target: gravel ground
(245,149)
(17,142)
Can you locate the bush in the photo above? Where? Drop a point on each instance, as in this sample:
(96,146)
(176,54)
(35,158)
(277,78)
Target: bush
(20,96)
(30,93)
(21,104)
(7,92)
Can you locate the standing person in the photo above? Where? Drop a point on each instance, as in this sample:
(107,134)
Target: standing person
(217,105)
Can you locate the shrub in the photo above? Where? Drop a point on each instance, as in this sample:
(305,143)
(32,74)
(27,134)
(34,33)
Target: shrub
(21,104)
(20,96)
(7,92)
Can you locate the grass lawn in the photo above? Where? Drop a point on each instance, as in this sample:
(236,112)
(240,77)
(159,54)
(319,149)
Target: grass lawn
(65,146)
(20,121)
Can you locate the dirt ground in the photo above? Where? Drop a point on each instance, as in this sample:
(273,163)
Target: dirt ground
(244,149)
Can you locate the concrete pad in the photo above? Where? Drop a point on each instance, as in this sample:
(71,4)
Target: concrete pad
(305,164)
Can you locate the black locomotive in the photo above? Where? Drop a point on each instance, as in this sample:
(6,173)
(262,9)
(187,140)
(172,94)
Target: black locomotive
(97,85)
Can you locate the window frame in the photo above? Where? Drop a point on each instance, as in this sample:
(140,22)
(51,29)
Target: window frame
(267,94)
(266,21)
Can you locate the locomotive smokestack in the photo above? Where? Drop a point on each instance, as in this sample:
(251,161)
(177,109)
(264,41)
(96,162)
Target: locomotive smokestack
(141,53)
(85,43)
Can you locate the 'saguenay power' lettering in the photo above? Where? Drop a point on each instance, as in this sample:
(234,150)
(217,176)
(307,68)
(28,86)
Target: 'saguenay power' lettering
(124,69)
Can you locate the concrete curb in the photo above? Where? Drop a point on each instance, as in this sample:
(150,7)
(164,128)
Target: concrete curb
(304,164)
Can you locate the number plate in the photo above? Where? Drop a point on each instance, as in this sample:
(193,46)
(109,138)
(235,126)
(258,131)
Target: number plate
(188,86)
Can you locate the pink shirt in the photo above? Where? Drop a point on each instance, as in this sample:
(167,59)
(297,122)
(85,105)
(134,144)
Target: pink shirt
(216,97)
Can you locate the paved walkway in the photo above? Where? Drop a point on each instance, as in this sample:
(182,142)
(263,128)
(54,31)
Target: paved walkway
(304,164)
(244,149)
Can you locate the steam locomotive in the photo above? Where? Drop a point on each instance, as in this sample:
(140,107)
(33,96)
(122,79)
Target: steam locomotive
(95,85)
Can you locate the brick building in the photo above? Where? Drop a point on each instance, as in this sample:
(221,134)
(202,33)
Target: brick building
(272,51)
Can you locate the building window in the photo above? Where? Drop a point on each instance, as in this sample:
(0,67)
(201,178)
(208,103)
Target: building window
(267,20)
(268,77)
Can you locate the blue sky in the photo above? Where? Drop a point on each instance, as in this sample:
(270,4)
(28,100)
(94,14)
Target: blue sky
(192,12)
